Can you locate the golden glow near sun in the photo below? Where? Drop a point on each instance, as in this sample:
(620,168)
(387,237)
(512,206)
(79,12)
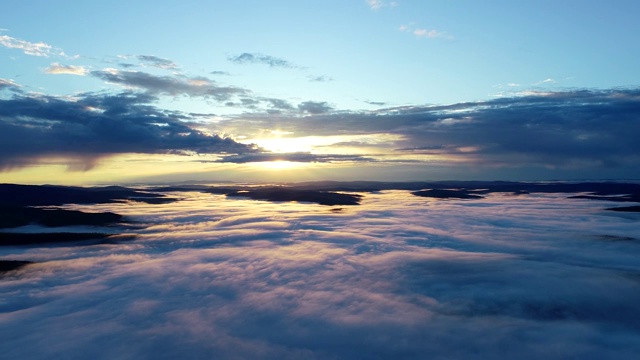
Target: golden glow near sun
(283,142)
(280,165)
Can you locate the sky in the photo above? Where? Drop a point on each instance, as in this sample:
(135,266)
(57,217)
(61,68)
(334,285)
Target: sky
(400,276)
(129,92)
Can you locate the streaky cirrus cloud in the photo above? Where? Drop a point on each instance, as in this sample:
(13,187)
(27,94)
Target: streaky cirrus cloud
(170,85)
(94,125)
(319,78)
(57,68)
(425,33)
(379,4)
(254,58)
(375,4)
(294,157)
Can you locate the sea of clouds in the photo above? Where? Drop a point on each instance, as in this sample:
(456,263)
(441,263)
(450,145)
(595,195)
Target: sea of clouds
(398,277)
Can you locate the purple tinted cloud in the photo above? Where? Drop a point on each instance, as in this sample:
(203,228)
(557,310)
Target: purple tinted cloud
(399,276)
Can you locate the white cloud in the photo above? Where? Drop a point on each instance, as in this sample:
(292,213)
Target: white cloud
(29,48)
(432,34)
(547,81)
(57,68)
(424,33)
(375,4)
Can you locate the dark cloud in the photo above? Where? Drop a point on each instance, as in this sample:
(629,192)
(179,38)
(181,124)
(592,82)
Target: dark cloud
(225,73)
(377,103)
(572,129)
(96,125)
(278,104)
(158,62)
(252,58)
(314,107)
(296,157)
(170,85)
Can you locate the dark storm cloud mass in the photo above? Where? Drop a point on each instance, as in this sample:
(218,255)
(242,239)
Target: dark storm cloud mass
(157,62)
(170,85)
(252,58)
(96,125)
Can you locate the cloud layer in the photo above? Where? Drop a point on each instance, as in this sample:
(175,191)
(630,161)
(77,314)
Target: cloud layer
(572,129)
(93,125)
(400,276)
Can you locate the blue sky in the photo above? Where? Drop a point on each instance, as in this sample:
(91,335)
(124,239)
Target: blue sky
(253,65)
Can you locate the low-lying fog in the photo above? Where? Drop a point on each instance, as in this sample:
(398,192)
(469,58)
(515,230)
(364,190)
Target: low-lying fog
(399,276)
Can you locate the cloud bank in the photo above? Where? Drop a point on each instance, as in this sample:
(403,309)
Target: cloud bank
(572,129)
(528,277)
(94,125)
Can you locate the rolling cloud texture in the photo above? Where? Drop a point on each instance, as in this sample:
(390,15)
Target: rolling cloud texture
(527,276)
(572,129)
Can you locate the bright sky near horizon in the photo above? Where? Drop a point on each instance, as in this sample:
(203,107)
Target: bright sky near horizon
(313,90)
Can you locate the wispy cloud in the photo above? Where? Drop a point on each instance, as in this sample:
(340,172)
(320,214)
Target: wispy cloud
(253,58)
(547,81)
(429,33)
(425,33)
(9,85)
(375,4)
(170,85)
(158,62)
(57,68)
(319,78)
(30,48)
(379,4)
